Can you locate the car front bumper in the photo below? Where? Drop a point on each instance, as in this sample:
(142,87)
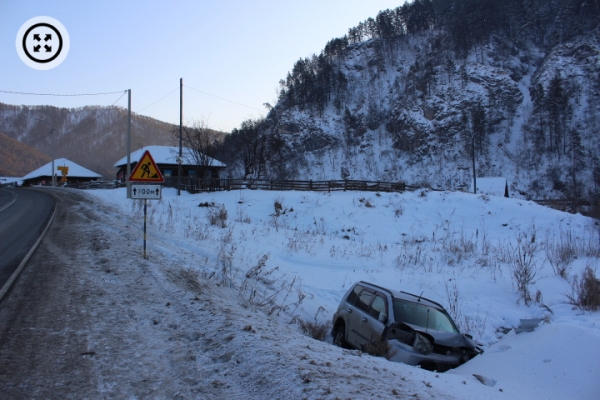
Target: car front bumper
(433,361)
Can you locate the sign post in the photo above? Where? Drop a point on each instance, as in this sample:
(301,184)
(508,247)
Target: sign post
(147,173)
(64,171)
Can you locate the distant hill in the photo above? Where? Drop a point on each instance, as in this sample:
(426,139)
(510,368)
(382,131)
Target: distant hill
(93,136)
(18,159)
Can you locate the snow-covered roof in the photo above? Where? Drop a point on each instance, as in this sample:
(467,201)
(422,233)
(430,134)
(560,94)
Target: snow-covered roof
(10,179)
(491,186)
(166,155)
(75,170)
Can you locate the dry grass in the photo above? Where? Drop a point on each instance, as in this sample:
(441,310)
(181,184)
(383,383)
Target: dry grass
(217,216)
(523,266)
(313,329)
(380,349)
(586,291)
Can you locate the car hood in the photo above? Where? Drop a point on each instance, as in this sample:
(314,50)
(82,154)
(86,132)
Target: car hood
(448,339)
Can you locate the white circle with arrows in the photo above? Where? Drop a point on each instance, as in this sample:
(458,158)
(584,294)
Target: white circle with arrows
(42,43)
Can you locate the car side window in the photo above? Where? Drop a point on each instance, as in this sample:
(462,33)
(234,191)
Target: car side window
(378,307)
(364,300)
(354,294)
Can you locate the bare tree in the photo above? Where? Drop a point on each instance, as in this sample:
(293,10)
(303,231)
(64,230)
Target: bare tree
(248,144)
(201,142)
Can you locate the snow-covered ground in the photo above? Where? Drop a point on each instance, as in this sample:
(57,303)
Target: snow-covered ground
(294,254)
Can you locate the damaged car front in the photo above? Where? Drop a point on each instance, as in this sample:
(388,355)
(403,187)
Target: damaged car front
(417,331)
(424,334)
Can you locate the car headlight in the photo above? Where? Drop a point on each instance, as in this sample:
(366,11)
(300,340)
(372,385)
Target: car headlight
(422,344)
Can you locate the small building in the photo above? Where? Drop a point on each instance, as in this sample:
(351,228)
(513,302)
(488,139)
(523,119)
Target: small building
(75,174)
(10,181)
(165,158)
(491,186)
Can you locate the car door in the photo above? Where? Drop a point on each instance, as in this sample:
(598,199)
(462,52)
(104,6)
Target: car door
(372,322)
(356,312)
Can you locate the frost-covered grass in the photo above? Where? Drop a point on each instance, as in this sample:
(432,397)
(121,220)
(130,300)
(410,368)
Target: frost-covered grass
(490,261)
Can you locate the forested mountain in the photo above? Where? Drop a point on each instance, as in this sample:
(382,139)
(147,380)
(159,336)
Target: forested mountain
(418,91)
(18,159)
(93,137)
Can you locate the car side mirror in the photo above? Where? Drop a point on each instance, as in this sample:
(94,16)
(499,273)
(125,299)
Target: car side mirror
(382,318)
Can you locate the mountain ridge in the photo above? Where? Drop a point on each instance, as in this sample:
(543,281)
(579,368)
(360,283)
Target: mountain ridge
(418,92)
(92,136)
(18,159)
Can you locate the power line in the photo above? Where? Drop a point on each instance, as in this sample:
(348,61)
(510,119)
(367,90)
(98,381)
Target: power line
(125,91)
(221,98)
(109,108)
(60,95)
(138,111)
(32,143)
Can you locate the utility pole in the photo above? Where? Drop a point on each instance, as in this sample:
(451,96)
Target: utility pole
(53,154)
(52,132)
(473,157)
(180,135)
(128,143)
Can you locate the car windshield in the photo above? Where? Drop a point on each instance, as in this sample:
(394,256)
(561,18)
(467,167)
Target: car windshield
(423,316)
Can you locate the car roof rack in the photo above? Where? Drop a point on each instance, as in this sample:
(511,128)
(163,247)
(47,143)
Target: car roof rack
(424,298)
(391,292)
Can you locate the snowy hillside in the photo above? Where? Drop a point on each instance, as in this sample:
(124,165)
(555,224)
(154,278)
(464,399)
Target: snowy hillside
(398,99)
(426,139)
(293,255)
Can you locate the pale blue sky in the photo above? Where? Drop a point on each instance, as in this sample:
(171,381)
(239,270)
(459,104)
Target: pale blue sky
(237,50)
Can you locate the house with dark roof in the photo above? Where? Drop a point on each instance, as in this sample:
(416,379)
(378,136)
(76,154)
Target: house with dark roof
(197,170)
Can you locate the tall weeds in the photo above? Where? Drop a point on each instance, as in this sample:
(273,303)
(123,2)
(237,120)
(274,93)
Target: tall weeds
(586,291)
(523,267)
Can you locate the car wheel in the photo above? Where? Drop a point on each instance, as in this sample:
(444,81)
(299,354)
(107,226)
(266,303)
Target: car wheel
(339,338)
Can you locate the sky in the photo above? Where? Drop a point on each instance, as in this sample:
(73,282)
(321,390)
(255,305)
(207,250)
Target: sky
(231,54)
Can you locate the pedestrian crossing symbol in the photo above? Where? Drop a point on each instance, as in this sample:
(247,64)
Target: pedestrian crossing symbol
(146,170)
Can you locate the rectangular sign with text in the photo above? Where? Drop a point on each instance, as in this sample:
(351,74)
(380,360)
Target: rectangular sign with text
(149,192)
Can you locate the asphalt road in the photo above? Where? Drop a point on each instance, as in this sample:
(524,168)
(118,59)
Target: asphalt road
(23,216)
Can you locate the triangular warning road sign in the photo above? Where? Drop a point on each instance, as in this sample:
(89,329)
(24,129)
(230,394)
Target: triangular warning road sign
(146,170)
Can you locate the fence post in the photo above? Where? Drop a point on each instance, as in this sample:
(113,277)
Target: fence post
(329,186)
(345,184)
(310,185)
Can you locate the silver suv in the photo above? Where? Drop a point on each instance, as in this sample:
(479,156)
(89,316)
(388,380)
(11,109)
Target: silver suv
(419,331)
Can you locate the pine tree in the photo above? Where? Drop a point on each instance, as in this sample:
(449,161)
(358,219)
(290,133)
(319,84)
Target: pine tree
(556,106)
(536,92)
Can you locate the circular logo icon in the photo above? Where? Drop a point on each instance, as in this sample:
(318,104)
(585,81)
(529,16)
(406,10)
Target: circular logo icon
(42,43)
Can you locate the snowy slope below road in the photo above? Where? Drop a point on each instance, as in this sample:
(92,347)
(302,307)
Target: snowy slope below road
(90,318)
(441,244)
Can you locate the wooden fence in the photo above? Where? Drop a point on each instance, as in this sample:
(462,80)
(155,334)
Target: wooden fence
(195,185)
(5,184)
(583,206)
(92,185)
(212,185)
